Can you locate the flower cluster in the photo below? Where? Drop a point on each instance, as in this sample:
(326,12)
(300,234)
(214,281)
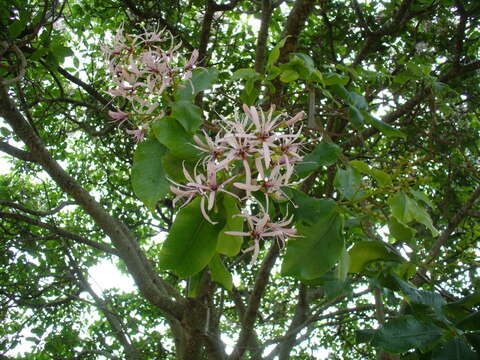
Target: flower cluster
(257,148)
(142,67)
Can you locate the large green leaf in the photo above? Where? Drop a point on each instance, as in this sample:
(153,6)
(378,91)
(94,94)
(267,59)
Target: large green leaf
(148,176)
(188,114)
(320,245)
(365,252)
(423,302)
(220,273)
(470,322)
(455,349)
(349,183)
(404,333)
(307,209)
(191,242)
(406,210)
(202,79)
(171,134)
(324,154)
(228,244)
(400,231)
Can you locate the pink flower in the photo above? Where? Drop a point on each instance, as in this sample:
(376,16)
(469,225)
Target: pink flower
(199,185)
(119,116)
(261,228)
(138,134)
(188,67)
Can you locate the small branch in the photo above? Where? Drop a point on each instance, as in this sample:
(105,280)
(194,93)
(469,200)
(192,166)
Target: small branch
(64,233)
(131,352)
(37,212)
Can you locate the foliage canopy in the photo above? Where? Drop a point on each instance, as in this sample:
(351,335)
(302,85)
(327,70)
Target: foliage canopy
(380,257)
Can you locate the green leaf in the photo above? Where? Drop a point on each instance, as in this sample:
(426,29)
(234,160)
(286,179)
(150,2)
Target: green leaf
(307,209)
(356,116)
(366,252)
(148,176)
(425,303)
(324,154)
(61,52)
(275,53)
(228,244)
(173,167)
(405,209)
(16,28)
(202,79)
(193,284)
(470,322)
(191,242)
(245,74)
(387,129)
(400,231)
(455,349)
(382,178)
(188,114)
(170,133)
(320,245)
(289,76)
(335,79)
(404,333)
(422,197)
(220,273)
(357,100)
(349,183)
(343,265)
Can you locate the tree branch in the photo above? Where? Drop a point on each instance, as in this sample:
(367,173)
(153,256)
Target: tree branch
(261,48)
(149,283)
(251,312)
(17,153)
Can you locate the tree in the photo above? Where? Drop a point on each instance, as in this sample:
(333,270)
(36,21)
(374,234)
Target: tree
(360,235)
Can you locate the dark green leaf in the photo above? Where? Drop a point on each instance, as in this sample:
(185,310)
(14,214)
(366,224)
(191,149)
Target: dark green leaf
(386,129)
(366,252)
(202,79)
(148,176)
(349,183)
(454,349)
(324,154)
(320,244)
(188,114)
(220,273)
(404,333)
(228,244)
(400,231)
(171,134)
(405,209)
(191,242)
